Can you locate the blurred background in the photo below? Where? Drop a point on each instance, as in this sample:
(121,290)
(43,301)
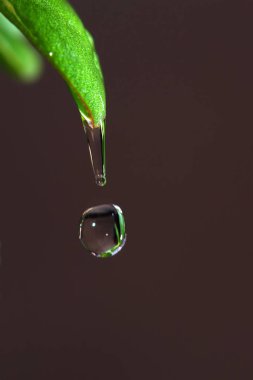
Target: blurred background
(176,303)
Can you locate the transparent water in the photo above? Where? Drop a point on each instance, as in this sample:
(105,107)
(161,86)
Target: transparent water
(102,230)
(96,142)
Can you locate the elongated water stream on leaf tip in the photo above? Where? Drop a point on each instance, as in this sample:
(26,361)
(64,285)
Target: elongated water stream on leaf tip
(102,230)
(96,141)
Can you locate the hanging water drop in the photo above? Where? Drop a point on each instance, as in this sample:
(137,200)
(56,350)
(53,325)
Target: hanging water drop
(96,143)
(102,230)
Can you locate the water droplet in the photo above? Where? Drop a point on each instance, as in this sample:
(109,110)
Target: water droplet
(102,230)
(96,142)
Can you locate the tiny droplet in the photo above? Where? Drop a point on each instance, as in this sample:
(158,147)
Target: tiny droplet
(102,230)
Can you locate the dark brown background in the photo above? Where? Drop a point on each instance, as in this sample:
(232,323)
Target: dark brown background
(177,302)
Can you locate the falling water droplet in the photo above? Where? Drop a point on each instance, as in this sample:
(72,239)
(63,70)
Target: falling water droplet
(96,142)
(102,230)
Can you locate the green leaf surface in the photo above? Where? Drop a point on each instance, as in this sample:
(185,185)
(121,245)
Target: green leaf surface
(56,31)
(17,56)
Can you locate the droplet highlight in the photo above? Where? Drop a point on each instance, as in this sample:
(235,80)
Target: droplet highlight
(96,142)
(102,230)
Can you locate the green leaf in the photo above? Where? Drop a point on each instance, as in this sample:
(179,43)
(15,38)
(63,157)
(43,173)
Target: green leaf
(56,31)
(17,56)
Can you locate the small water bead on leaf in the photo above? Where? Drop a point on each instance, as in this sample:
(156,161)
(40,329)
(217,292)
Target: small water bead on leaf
(102,230)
